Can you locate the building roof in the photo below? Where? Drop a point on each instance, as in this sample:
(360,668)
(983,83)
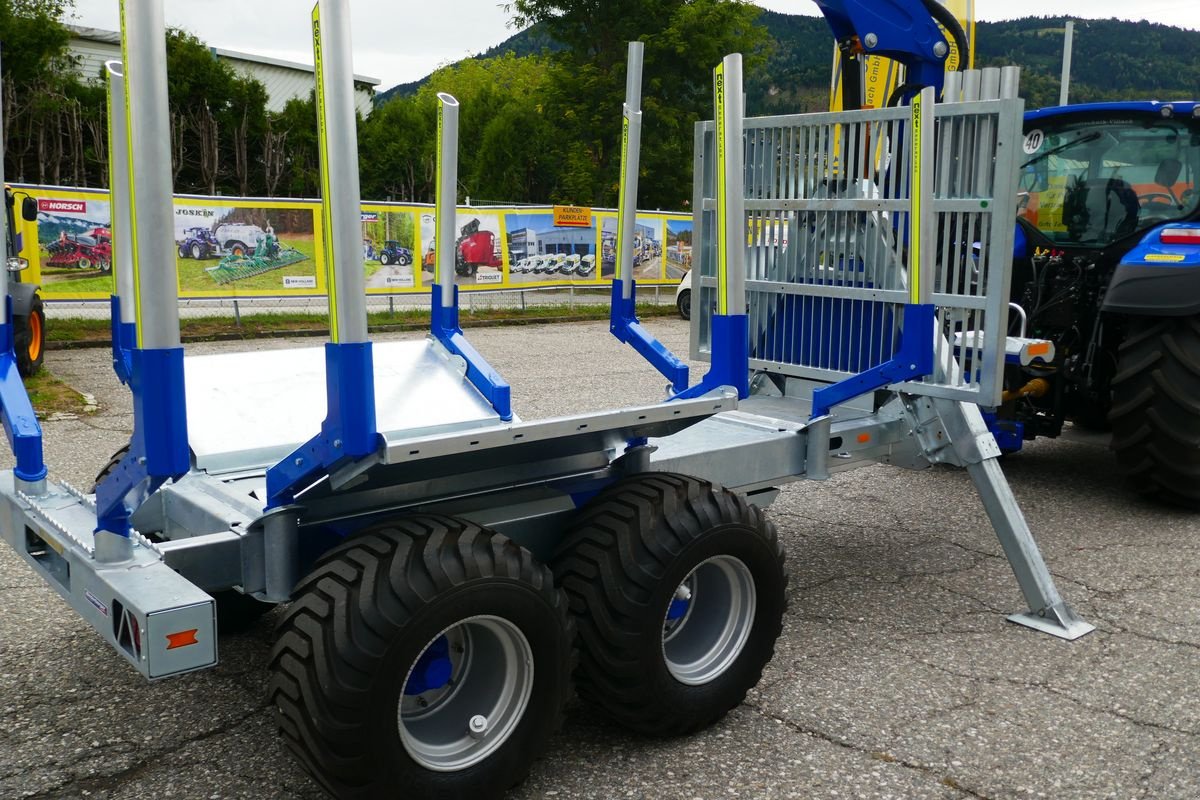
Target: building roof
(114,37)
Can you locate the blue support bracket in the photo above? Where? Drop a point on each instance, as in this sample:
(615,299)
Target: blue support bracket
(348,432)
(913,359)
(445,328)
(624,324)
(16,412)
(158,449)
(730,358)
(124,340)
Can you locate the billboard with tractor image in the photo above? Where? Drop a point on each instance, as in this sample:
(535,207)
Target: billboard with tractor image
(245,249)
(248,247)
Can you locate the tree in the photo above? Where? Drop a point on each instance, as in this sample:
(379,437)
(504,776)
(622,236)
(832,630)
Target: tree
(684,41)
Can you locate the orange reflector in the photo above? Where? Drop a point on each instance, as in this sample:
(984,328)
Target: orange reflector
(181,639)
(863,438)
(1039,349)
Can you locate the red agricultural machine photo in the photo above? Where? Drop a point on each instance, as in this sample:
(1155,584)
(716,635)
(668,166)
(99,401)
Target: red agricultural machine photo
(82,251)
(475,248)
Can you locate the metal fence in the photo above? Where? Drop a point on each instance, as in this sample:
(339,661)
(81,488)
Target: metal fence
(829,200)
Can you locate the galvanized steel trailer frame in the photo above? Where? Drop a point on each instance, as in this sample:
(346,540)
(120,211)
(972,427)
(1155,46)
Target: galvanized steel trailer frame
(230,511)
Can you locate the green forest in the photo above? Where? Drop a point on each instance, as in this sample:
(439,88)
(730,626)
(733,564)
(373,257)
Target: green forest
(540,115)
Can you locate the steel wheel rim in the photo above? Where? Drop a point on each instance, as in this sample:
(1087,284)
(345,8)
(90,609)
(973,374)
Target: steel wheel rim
(700,645)
(491,680)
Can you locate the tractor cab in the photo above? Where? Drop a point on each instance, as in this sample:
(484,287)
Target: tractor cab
(1093,176)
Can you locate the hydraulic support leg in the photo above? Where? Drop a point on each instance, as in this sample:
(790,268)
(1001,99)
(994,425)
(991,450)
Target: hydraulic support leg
(954,432)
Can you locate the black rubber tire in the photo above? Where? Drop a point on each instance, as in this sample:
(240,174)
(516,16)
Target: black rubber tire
(360,620)
(1156,409)
(684,303)
(29,338)
(404,260)
(385,259)
(197,251)
(620,565)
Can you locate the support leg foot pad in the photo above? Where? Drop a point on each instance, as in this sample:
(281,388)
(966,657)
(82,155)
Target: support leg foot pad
(1057,620)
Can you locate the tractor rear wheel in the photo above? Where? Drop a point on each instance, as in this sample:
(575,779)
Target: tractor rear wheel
(1156,409)
(677,587)
(29,338)
(427,657)
(384,258)
(197,251)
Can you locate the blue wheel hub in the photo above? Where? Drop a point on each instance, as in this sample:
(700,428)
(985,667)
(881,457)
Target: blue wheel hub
(432,670)
(677,609)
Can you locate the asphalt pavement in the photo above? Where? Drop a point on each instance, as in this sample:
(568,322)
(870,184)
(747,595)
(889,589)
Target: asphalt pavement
(896,676)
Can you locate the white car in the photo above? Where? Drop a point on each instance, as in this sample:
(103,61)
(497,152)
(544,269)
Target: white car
(683,296)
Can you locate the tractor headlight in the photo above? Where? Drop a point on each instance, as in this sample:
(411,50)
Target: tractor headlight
(16,263)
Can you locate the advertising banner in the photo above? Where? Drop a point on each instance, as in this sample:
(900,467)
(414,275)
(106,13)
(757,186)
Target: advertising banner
(246,247)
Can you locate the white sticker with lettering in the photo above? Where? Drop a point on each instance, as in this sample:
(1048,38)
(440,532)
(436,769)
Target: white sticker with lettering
(299,281)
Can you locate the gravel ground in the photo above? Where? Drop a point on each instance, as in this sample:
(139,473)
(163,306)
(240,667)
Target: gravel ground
(896,675)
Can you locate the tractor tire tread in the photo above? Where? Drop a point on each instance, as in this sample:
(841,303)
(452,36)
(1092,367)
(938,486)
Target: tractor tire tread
(359,595)
(1155,412)
(609,579)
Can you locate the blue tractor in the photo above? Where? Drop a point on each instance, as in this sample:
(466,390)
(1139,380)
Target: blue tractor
(198,243)
(393,253)
(1107,267)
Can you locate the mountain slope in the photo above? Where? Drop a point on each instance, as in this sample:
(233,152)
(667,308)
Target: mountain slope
(1113,60)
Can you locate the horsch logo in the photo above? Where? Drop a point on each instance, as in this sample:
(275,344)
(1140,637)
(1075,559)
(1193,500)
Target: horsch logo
(62,206)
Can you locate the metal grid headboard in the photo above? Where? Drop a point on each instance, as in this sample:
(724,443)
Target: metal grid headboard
(828,199)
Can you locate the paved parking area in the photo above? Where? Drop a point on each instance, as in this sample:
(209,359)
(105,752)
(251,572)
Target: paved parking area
(896,675)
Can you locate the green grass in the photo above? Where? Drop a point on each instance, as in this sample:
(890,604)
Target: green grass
(97,331)
(49,395)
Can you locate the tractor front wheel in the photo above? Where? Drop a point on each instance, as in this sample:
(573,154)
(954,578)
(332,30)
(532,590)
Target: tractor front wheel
(1156,409)
(677,588)
(428,657)
(29,338)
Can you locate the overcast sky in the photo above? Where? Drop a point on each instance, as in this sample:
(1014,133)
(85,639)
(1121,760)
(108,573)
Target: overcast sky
(403,40)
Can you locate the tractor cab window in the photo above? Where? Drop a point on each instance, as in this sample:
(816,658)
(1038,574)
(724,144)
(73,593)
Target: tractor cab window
(1091,183)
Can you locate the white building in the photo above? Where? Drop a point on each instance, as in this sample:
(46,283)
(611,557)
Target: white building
(284,79)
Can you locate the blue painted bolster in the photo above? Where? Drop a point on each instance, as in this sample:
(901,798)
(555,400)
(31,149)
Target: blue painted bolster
(445,328)
(350,394)
(160,410)
(730,358)
(20,422)
(623,324)
(158,449)
(913,359)
(349,430)
(124,340)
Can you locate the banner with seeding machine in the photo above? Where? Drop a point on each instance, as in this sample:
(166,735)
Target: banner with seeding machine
(240,247)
